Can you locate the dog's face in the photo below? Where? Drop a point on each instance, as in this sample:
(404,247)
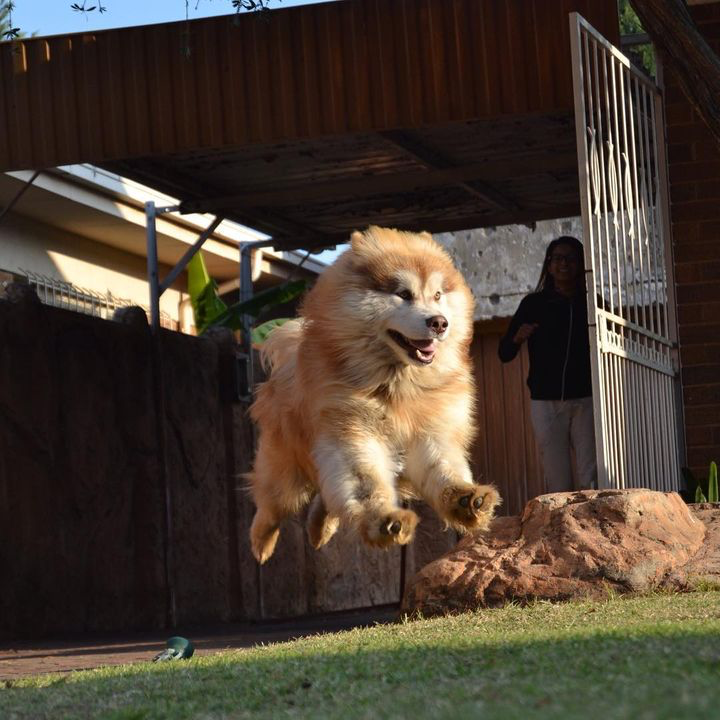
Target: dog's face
(413,313)
(394,297)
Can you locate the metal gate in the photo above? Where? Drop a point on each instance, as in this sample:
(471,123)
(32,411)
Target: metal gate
(628,260)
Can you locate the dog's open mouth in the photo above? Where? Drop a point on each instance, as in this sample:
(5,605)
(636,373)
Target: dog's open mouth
(422,351)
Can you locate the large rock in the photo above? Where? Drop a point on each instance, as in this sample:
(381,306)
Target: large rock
(565,545)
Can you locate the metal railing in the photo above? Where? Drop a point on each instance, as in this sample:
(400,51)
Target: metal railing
(68,296)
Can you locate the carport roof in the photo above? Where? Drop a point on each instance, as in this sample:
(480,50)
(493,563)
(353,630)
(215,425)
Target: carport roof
(309,122)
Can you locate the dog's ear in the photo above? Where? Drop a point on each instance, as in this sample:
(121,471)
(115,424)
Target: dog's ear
(365,243)
(426,235)
(357,240)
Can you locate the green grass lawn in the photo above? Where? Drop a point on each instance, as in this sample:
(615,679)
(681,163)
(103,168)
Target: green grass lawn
(655,656)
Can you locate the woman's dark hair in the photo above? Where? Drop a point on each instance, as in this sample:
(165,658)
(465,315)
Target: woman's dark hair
(546,281)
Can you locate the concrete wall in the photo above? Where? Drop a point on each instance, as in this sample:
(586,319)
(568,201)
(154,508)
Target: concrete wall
(503,264)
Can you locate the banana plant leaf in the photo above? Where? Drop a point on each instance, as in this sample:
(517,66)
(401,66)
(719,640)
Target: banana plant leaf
(259,334)
(209,309)
(232,316)
(205,301)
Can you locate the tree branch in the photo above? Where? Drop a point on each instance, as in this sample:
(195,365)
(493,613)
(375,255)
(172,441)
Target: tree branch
(685,50)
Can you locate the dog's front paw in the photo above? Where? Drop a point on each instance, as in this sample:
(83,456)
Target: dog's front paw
(470,507)
(394,528)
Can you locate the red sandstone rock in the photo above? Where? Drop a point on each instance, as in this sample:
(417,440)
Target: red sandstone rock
(565,545)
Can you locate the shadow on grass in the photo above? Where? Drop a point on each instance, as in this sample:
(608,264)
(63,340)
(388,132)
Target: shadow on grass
(667,673)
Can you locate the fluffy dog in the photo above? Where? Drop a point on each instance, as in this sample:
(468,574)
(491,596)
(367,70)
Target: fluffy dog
(370,399)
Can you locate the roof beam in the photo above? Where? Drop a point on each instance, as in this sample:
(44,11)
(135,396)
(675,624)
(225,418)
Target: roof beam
(172,181)
(405,182)
(483,191)
(439,225)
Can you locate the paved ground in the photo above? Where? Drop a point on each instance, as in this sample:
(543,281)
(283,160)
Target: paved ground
(23,658)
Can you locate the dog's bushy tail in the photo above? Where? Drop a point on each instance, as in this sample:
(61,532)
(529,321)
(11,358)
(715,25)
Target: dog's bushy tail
(280,346)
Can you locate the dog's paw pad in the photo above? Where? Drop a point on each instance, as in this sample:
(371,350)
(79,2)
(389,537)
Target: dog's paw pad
(390,527)
(468,501)
(395,528)
(472,507)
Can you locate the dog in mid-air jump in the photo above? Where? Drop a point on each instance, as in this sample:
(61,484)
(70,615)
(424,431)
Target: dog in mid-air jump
(370,399)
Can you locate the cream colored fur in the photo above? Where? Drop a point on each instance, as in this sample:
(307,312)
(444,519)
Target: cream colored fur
(353,418)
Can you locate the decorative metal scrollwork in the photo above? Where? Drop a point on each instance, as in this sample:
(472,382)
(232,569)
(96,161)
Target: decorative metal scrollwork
(594,171)
(644,209)
(629,205)
(612,183)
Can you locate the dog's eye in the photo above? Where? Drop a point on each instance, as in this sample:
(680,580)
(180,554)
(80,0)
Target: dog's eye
(438,295)
(404,294)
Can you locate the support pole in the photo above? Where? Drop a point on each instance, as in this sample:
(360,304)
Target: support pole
(159,402)
(189,254)
(152,266)
(246,293)
(246,363)
(18,195)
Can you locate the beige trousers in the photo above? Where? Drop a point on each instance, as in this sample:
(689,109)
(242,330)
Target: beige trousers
(560,425)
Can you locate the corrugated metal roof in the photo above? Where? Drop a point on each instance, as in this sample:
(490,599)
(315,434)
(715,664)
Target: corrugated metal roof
(317,83)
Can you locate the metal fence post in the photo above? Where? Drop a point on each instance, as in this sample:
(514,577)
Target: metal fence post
(246,293)
(152,266)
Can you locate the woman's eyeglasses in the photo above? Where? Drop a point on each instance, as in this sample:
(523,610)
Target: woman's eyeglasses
(569,259)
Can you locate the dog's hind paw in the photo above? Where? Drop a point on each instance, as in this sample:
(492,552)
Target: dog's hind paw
(395,528)
(263,542)
(321,529)
(470,507)
(320,526)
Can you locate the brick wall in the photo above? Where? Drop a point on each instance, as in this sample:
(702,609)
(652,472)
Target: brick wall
(695,210)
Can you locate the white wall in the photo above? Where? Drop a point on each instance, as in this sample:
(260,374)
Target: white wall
(31,245)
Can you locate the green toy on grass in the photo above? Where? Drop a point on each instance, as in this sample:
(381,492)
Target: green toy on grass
(178,648)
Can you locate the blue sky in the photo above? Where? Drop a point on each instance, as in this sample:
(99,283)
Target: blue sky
(52,17)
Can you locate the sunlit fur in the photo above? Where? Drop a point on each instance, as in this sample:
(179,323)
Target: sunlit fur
(348,418)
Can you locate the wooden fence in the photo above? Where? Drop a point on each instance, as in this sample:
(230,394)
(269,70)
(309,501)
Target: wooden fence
(85,455)
(505,452)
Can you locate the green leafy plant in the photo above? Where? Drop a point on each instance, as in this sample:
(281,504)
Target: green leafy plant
(7,31)
(642,55)
(260,333)
(204,298)
(713,483)
(699,491)
(209,310)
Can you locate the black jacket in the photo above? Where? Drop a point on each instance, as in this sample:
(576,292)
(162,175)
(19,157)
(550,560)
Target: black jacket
(559,348)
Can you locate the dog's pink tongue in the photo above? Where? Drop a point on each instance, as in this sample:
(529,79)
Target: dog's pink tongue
(424,345)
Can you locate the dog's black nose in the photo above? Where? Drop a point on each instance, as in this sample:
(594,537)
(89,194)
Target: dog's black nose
(438,323)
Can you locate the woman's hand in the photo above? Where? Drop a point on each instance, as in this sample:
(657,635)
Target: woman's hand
(524,332)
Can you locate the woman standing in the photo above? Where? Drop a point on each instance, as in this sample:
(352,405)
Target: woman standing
(553,321)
